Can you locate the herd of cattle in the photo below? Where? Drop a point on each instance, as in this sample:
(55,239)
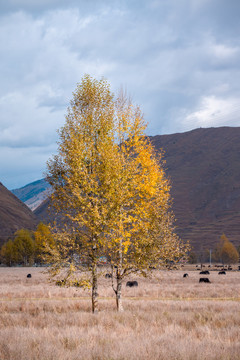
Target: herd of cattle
(201,279)
(206,272)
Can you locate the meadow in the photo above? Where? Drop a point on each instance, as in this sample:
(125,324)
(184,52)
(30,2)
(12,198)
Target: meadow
(166,317)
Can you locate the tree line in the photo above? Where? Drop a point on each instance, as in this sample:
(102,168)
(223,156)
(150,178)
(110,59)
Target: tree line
(27,247)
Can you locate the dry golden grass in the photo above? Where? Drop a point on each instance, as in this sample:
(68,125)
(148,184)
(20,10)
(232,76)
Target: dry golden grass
(167,317)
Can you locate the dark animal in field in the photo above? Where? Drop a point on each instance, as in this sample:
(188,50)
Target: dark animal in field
(206,280)
(108,276)
(229,268)
(29,275)
(185,275)
(205,272)
(131,283)
(222,272)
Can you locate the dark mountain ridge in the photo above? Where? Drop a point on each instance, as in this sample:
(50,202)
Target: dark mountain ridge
(204,169)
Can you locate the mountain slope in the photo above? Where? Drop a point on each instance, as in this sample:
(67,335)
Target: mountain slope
(33,194)
(14,214)
(204,169)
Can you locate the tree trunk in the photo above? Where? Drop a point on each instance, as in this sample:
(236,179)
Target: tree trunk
(94,289)
(119,294)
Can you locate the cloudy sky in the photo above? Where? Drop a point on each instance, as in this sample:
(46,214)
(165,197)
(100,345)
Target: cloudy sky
(179,60)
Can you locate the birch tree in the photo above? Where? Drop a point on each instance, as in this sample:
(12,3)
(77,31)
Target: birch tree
(142,233)
(81,177)
(225,251)
(110,189)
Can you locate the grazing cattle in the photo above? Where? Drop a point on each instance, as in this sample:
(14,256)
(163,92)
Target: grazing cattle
(222,272)
(108,276)
(131,283)
(229,268)
(206,280)
(185,275)
(29,275)
(205,272)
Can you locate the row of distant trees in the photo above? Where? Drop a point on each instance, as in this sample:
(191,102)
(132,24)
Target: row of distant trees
(27,247)
(31,247)
(225,253)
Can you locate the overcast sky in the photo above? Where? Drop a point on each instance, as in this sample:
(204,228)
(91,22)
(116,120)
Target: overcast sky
(178,59)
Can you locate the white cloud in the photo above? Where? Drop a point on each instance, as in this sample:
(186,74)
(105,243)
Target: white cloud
(214,111)
(224,52)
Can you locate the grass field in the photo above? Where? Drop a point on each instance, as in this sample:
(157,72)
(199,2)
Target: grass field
(167,317)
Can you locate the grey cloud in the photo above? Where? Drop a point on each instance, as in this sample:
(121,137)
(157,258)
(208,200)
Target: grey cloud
(174,58)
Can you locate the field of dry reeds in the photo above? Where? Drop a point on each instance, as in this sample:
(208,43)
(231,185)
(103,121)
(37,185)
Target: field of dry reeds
(166,317)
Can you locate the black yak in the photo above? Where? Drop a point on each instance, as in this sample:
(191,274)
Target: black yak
(108,276)
(131,283)
(206,280)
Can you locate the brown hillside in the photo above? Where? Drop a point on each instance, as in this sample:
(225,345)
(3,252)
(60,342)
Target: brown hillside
(43,213)
(14,214)
(204,169)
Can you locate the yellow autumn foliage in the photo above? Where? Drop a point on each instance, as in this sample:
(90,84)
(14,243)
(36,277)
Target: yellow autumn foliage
(110,190)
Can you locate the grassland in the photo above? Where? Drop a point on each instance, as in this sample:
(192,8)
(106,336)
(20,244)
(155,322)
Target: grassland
(167,317)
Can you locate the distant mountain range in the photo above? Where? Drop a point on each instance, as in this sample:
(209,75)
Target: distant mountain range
(33,194)
(203,166)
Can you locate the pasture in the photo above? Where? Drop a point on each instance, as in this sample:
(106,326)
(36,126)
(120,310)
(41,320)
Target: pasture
(166,317)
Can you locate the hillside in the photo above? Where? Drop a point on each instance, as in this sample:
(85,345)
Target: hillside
(204,170)
(33,194)
(14,214)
